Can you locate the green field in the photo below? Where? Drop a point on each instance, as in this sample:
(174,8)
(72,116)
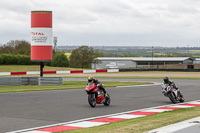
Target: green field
(143,124)
(24,68)
(132,77)
(66,85)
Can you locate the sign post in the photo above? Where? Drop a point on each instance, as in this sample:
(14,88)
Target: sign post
(55,43)
(41,37)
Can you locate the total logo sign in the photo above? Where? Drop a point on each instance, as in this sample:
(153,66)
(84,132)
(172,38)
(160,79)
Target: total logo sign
(41,36)
(37,33)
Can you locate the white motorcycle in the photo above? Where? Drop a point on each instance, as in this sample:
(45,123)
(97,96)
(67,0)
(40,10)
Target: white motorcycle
(173,94)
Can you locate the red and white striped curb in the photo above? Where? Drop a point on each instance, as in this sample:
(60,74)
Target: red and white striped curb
(101,120)
(59,72)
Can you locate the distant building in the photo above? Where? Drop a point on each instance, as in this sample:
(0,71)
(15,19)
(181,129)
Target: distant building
(130,62)
(197,61)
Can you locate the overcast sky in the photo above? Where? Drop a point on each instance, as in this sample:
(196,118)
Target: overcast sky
(107,22)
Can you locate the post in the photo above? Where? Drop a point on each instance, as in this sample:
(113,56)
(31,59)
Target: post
(55,43)
(152,56)
(41,69)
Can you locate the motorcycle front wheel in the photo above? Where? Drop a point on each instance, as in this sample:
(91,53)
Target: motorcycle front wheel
(92,100)
(172,98)
(182,98)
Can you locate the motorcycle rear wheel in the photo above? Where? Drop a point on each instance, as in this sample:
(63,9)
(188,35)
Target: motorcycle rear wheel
(107,101)
(172,98)
(92,100)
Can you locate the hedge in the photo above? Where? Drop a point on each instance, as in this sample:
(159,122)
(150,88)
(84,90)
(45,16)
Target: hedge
(7,59)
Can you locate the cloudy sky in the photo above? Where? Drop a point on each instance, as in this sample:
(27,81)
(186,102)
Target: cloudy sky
(107,22)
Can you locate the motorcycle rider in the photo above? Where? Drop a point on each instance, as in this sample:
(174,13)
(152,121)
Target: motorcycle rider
(166,80)
(98,84)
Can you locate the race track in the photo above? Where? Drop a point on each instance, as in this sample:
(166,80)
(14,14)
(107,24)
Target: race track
(32,109)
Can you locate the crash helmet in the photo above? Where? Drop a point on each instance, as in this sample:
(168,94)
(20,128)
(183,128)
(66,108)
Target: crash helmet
(166,79)
(90,78)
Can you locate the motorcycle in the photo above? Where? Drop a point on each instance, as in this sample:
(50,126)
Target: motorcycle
(173,94)
(96,95)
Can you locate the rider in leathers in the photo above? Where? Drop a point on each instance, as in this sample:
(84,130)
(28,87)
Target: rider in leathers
(166,80)
(98,84)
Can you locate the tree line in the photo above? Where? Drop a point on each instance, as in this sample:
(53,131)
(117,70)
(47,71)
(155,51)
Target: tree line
(16,47)
(17,52)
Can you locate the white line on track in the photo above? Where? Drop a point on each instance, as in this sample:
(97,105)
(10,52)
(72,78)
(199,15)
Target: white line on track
(140,85)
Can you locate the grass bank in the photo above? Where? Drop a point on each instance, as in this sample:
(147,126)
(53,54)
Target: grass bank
(24,68)
(131,77)
(142,124)
(66,85)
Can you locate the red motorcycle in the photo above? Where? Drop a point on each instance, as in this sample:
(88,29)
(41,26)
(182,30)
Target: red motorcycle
(96,95)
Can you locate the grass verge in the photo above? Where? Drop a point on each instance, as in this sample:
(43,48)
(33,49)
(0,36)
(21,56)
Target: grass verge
(142,124)
(66,85)
(24,68)
(132,77)
(160,72)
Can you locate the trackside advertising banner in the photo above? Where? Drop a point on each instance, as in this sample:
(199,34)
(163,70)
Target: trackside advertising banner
(41,36)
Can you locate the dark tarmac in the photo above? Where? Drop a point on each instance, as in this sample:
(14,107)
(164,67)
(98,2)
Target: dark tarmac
(24,110)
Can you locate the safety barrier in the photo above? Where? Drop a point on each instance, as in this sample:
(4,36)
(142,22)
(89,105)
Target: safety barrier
(50,81)
(10,81)
(58,72)
(17,81)
(29,80)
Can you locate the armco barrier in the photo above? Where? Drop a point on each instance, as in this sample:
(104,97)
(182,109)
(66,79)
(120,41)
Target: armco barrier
(50,81)
(17,81)
(29,80)
(58,72)
(10,81)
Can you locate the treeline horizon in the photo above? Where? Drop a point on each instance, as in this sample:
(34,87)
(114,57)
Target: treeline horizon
(17,52)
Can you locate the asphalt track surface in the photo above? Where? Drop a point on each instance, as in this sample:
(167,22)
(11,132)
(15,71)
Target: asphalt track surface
(24,110)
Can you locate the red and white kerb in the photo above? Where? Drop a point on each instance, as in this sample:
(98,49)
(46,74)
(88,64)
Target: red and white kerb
(41,35)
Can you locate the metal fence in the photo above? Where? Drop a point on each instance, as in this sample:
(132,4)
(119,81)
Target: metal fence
(50,81)
(29,80)
(17,81)
(10,81)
